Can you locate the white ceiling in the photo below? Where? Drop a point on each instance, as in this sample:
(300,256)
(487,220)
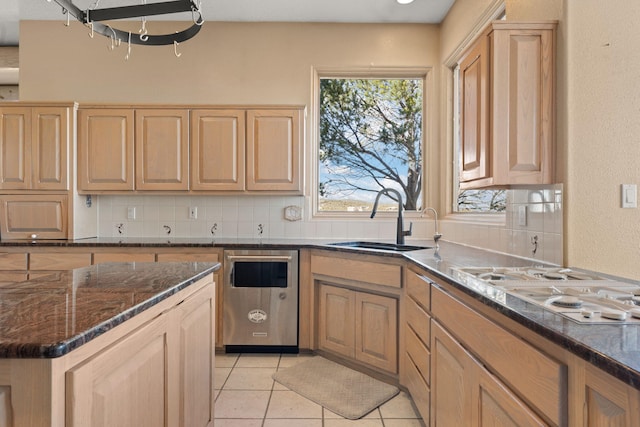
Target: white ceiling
(365,11)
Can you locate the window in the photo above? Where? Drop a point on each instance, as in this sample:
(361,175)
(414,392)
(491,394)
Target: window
(370,137)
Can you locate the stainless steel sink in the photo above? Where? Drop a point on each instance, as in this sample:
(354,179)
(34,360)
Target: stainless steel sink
(393,247)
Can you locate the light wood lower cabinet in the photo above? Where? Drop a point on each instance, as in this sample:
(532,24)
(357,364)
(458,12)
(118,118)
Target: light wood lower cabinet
(124,385)
(101,257)
(604,401)
(353,308)
(415,341)
(531,389)
(155,369)
(159,375)
(466,394)
(359,325)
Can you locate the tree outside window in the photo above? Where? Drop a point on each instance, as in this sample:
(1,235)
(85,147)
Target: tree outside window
(370,138)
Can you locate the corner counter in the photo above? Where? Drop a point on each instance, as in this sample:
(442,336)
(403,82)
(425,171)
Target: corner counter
(109,344)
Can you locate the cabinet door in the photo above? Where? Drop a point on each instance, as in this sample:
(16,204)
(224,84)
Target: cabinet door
(218,150)
(274,150)
(162,149)
(608,402)
(50,148)
(15,148)
(336,320)
(475,147)
(376,331)
(451,381)
(105,149)
(208,256)
(34,216)
(523,97)
(196,355)
(497,406)
(125,385)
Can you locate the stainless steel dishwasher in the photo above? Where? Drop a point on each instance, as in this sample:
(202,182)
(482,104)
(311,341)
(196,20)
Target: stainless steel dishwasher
(260,304)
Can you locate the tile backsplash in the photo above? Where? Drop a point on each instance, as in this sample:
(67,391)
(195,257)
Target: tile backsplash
(533,220)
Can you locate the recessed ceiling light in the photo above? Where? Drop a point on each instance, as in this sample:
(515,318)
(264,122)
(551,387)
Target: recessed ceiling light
(404,1)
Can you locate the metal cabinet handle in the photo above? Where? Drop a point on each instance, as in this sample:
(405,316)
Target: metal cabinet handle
(259,258)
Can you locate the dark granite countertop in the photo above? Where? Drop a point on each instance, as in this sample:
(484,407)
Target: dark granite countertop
(53,315)
(612,348)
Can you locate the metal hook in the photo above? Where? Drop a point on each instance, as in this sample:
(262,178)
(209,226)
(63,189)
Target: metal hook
(126,58)
(66,12)
(112,38)
(91,26)
(175,49)
(143,30)
(200,19)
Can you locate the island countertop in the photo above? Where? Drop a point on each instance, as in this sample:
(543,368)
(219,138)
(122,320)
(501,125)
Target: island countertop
(53,315)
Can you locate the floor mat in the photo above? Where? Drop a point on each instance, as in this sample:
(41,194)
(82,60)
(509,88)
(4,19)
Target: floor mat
(342,390)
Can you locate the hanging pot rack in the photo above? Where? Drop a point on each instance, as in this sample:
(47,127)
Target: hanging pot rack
(93,17)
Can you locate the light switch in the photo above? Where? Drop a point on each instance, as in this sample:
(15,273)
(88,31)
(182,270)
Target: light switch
(131,213)
(629,196)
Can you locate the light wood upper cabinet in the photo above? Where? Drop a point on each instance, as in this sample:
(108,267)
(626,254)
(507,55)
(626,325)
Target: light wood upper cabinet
(474,112)
(507,104)
(162,149)
(34,143)
(37,216)
(105,149)
(201,150)
(218,150)
(275,150)
(125,149)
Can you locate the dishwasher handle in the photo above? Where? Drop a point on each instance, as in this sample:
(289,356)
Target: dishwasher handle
(259,258)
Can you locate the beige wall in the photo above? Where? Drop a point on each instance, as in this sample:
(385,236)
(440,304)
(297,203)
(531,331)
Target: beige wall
(603,128)
(227,63)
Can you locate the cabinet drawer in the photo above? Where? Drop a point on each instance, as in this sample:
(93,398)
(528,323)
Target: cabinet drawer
(362,271)
(419,289)
(418,353)
(536,377)
(419,390)
(179,257)
(10,261)
(419,321)
(50,261)
(7,277)
(99,258)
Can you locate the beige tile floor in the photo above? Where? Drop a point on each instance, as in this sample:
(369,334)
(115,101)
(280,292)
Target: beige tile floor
(247,396)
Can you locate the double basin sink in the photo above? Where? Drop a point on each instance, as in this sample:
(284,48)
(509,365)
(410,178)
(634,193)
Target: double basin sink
(381,246)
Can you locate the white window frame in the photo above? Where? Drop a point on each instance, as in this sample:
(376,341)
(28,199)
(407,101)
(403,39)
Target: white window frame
(423,73)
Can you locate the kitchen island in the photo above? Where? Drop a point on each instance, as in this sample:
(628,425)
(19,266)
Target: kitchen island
(110,344)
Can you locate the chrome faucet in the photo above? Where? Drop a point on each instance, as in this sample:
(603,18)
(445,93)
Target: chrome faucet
(436,234)
(400,233)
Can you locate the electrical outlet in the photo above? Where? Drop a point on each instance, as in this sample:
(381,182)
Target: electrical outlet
(119,229)
(522,216)
(193,212)
(131,213)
